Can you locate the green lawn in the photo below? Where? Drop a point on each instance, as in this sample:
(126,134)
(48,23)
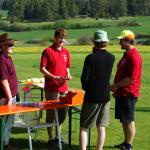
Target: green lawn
(27,66)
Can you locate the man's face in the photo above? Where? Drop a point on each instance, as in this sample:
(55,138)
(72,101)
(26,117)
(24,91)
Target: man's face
(60,41)
(124,43)
(7,48)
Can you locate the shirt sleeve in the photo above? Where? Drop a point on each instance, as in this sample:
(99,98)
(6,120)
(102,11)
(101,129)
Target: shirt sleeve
(85,73)
(135,67)
(3,71)
(43,59)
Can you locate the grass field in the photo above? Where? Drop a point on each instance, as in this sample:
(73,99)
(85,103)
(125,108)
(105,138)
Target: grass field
(27,65)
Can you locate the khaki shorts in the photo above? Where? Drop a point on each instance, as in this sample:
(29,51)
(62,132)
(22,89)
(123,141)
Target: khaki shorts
(62,112)
(94,115)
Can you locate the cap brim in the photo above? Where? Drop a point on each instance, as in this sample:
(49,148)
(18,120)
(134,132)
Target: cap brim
(101,40)
(120,37)
(7,42)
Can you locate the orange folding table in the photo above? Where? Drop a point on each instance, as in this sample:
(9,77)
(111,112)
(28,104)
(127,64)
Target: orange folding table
(9,110)
(73,99)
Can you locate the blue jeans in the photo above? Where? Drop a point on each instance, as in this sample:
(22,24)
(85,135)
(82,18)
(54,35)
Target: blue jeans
(8,126)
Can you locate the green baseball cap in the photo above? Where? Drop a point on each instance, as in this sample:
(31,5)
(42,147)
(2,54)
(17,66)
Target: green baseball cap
(100,36)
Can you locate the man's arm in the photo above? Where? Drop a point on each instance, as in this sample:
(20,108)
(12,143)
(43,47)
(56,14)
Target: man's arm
(122,83)
(68,77)
(46,73)
(85,73)
(7,91)
(51,76)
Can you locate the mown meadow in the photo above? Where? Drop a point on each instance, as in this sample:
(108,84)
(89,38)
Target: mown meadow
(27,61)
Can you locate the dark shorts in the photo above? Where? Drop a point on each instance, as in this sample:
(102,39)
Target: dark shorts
(124,108)
(94,115)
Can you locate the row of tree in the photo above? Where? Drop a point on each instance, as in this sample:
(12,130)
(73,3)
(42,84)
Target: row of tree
(51,10)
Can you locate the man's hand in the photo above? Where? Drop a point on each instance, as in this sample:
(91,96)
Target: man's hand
(9,102)
(113,88)
(68,77)
(59,79)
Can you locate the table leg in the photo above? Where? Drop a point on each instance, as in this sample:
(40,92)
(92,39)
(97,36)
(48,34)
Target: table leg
(42,96)
(89,143)
(70,126)
(2,125)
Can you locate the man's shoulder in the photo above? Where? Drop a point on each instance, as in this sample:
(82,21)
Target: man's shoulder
(135,54)
(109,54)
(47,49)
(65,49)
(90,55)
(3,58)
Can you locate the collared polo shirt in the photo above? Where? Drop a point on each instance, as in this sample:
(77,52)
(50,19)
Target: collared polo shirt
(129,66)
(8,72)
(56,62)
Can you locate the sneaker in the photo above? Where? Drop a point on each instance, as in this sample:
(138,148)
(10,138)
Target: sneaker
(62,140)
(55,141)
(9,147)
(51,142)
(125,148)
(119,145)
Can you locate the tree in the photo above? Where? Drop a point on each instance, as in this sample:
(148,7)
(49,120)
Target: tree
(83,7)
(62,9)
(131,7)
(118,8)
(16,12)
(6,4)
(72,8)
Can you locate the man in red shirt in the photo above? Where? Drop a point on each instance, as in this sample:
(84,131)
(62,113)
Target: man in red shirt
(8,81)
(126,87)
(55,63)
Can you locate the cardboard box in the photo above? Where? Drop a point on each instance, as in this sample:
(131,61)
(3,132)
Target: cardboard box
(73,97)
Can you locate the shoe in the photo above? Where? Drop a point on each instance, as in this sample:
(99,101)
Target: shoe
(9,147)
(119,145)
(125,148)
(55,141)
(62,140)
(51,142)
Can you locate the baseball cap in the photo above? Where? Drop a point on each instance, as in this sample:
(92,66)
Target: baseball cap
(126,34)
(100,36)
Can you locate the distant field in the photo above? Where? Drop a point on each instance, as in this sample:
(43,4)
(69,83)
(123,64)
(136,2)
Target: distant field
(28,49)
(73,34)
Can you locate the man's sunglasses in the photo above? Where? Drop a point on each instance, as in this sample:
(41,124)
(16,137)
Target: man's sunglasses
(9,45)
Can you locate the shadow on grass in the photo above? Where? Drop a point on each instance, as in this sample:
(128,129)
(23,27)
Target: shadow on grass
(19,130)
(23,144)
(143,109)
